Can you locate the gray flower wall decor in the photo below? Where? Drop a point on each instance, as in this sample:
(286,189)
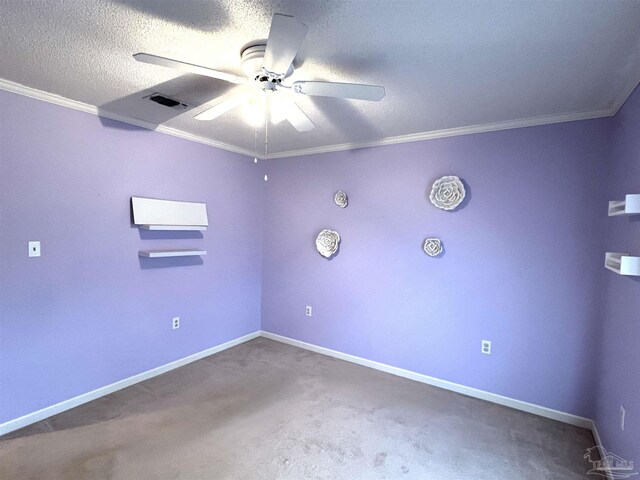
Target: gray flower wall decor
(432,247)
(327,242)
(447,192)
(341,199)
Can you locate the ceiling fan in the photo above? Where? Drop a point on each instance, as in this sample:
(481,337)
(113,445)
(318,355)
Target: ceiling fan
(265,67)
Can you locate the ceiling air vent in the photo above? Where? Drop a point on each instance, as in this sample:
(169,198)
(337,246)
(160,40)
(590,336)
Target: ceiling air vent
(166,101)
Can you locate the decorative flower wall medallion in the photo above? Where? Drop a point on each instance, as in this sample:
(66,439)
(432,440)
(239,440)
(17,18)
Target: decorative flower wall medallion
(341,199)
(432,247)
(327,243)
(447,192)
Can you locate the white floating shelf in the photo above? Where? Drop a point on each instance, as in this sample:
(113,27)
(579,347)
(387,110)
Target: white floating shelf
(622,263)
(173,227)
(171,214)
(181,252)
(629,206)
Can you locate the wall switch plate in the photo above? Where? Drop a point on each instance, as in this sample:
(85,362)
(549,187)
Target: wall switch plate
(623,413)
(175,322)
(34,249)
(308,311)
(486,347)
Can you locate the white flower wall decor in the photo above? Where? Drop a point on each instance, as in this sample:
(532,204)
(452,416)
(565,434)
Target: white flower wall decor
(327,242)
(341,199)
(447,192)
(432,247)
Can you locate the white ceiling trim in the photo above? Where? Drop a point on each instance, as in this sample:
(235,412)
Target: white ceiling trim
(626,92)
(85,107)
(414,137)
(452,132)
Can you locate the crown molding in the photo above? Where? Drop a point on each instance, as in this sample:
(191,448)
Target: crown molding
(92,109)
(413,137)
(626,92)
(452,132)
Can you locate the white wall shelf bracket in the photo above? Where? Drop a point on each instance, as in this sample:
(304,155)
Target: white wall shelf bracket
(629,206)
(622,263)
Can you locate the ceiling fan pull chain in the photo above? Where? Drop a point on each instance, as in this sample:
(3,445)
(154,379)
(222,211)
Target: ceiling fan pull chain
(255,144)
(266,128)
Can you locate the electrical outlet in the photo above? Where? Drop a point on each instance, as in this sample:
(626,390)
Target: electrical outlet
(486,347)
(623,413)
(308,311)
(34,249)
(175,322)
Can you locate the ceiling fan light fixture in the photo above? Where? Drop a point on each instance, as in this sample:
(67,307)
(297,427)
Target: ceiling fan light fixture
(277,108)
(277,116)
(255,108)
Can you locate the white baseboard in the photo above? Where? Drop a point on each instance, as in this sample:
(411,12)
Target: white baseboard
(436,382)
(596,435)
(598,440)
(47,412)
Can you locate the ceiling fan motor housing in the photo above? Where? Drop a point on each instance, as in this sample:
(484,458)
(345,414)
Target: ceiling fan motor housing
(252,58)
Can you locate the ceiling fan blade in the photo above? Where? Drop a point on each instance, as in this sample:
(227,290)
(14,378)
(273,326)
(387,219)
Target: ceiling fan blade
(285,38)
(188,67)
(224,104)
(298,118)
(356,91)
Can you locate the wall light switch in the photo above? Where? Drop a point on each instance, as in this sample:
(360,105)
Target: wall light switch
(307,311)
(34,249)
(486,347)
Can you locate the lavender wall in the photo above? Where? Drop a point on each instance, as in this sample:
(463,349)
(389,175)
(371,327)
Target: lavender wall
(619,373)
(89,312)
(522,263)
(521,266)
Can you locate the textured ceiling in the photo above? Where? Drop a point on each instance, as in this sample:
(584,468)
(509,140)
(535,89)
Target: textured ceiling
(444,64)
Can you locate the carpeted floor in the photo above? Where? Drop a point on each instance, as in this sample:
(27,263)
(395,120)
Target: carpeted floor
(264,410)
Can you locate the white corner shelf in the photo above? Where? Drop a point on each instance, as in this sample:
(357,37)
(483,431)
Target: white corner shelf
(629,206)
(622,263)
(200,228)
(180,252)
